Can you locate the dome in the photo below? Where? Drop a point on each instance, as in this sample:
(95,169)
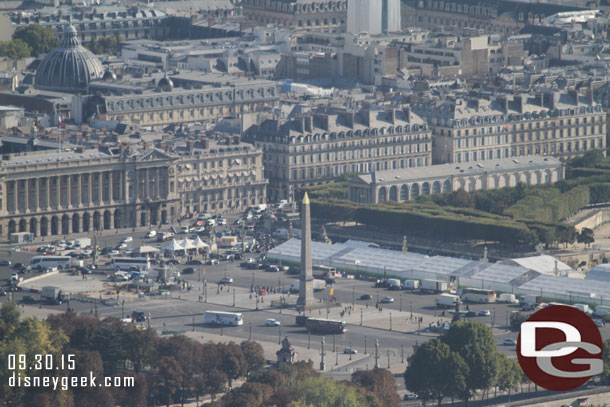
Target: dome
(165,84)
(69,67)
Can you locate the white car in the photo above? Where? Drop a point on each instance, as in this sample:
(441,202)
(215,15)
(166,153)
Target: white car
(484,313)
(387,300)
(222,221)
(127,239)
(151,233)
(510,341)
(272,322)
(185,229)
(350,351)
(122,246)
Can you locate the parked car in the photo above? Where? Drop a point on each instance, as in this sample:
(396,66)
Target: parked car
(188,270)
(212,262)
(599,323)
(226,280)
(410,396)
(484,313)
(127,239)
(28,299)
(5,263)
(272,322)
(194,262)
(365,297)
(350,351)
(222,221)
(173,262)
(386,300)
(510,341)
(151,233)
(18,266)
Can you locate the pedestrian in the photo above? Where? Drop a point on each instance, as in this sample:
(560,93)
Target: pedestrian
(367,305)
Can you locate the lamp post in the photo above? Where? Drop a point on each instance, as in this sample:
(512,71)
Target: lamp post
(365,345)
(234,297)
(400,303)
(411,308)
(393,354)
(350,350)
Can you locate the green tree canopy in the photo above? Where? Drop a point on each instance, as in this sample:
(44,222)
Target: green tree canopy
(40,39)
(381,383)
(475,343)
(15,49)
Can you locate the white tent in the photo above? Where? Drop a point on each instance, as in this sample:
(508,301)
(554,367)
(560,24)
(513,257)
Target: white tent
(147,250)
(200,244)
(173,246)
(187,244)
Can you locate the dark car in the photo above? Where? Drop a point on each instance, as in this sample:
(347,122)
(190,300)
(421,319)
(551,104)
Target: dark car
(365,297)
(138,316)
(301,320)
(5,263)
(18,266)
(173,261)
(188,270)
(194,263)
(28,299)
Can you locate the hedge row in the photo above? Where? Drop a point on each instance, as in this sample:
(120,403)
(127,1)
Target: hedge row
(548,204)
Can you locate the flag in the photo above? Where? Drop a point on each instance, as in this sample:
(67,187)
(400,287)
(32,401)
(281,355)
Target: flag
(60,122)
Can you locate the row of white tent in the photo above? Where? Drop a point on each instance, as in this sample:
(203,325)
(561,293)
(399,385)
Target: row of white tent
(186,244)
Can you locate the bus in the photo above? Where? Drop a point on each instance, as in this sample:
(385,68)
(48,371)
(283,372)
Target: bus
(320,271)
(42,262)
(223,318)
(327,326)
(129,263)
(478,295)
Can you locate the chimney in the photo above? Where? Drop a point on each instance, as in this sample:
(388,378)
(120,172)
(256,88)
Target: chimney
(308,121)
(574,95)
(299,124)
(549,100)
(518,103)
(348,119)
(503,101)
(406,110)
(391,115)
(476,104)
(589,96)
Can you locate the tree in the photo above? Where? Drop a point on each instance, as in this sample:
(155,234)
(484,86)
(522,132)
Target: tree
(509,373)
(233,363)
(586,236)
(15,49)
(254,354)
(460,199)
(214,382)
(322,392)
(381,383)
(9,318)
(106,45)
(431,361)
(167,379)
(475,343)
(40,39)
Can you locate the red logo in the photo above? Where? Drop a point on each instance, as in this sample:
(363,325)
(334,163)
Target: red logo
(560,348)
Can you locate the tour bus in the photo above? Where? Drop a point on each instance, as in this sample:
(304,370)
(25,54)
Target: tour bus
(328,326)
(223,318)
(128,263)
(320,271)
(42,262)
(478,295)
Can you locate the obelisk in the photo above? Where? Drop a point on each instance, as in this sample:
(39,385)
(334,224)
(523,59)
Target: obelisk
(306,280)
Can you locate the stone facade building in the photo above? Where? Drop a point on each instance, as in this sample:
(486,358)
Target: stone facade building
(406,184)
(319,147)
(493,16)
(299,15)
(561,124)
(52,193)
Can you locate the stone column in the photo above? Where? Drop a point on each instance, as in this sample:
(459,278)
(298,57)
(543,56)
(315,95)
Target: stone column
(158,195)
(89,189)
(26,185)
(100,190)
(110,186)
(48,192)
(36,186)
(78,190)
(146,183)
(15,196)
(69,189)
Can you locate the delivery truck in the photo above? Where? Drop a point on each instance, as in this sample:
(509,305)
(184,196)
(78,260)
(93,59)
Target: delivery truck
(447,300)
(528,302)
(228,241)
(435,286)
(54,295)
(507,298)
(584,308)
(393,284)
(318,285)
(410,284)
(601,310)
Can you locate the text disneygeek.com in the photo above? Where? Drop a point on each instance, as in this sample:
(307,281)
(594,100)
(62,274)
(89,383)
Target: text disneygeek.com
(65,382)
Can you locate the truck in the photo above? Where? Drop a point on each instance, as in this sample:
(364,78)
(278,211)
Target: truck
(318,285)
(508,298)
(435,286)
(584,308)
(164,236)
(227,241)
(54,295)
(393,284)
(410,284)
(601,310)
(528,302)
(447,300)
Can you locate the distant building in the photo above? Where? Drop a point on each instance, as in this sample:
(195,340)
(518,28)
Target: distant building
(316,148)
(492,16)
(373,16)
(299,15)
(409,183)
(561,124)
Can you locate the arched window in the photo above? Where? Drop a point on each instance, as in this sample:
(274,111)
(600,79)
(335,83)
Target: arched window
(436,187)
(382,195)
(425,189)
(393,194)
(446,186)
(414,191)
(404,193)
